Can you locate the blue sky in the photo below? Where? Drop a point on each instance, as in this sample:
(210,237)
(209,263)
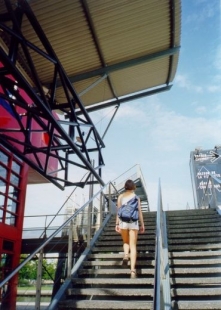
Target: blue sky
(160,131)
(163,129)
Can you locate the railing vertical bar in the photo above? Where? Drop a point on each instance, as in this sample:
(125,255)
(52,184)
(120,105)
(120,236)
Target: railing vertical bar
(70,248)
(156,299)
(15,271)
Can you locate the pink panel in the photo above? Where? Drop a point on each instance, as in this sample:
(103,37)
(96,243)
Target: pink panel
(38,139)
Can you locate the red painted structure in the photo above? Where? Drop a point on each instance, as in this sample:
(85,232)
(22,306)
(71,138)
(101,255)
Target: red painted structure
(14,177)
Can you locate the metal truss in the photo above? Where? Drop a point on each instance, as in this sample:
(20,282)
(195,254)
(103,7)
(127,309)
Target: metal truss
(71,141)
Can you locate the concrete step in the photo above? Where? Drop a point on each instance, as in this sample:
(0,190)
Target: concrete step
(195,292)
(194,240)
(195,280)
(112,281)
(174,231)
(202,261)
(202,234)
(195,254)
(116,248)
(149,241)
(110,292)
(119,256)
(194,247)
(147,220)
(148,227)
(197,271)
(180,226)
(197,305)
(194,243)
(104,304)
(103,283)
(117,263)
(117,236)
(193,218)
(190,212)
(115,272)
(192,221)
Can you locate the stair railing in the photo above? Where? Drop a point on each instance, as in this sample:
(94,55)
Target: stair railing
(209,198)
(161,274)
(108,207)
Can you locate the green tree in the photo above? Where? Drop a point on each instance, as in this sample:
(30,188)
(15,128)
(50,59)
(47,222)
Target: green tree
(29,271)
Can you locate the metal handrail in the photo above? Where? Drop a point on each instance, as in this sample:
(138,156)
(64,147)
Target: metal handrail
(157,297)
(63,289)
(29,257)
(161,272)
(211,203)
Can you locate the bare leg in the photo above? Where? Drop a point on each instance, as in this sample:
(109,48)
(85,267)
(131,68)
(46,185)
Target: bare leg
(125,237)
(133,248)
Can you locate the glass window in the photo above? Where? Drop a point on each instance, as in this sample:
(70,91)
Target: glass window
(11,206)
(2,200)
(1,215)
(16,167)
(3,172)
(13,192)
(4,158)
(2,187)
(14,179)
(10,219)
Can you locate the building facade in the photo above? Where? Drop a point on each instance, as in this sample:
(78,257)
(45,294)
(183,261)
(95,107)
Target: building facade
(205,163)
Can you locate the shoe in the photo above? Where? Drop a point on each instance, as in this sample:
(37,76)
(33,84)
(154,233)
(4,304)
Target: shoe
(133,274)
(125,260)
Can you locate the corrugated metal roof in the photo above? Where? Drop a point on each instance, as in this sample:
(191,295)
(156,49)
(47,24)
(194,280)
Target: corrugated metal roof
(128,45)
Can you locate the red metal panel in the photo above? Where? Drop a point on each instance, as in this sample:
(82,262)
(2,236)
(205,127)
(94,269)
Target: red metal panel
(37,137)
(11,236)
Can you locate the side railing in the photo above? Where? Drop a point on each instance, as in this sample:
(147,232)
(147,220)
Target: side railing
(162,297)
(209,199)
(96,211)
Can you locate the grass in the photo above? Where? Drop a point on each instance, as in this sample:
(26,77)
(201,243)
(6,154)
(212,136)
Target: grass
(26,288)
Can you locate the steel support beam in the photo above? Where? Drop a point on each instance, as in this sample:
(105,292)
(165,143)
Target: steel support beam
(122,65)
(62,143)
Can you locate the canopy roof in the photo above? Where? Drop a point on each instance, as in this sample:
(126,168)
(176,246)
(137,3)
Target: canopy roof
(76,56)
(111,50)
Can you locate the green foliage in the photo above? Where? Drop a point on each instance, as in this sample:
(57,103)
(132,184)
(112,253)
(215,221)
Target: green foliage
(29,271)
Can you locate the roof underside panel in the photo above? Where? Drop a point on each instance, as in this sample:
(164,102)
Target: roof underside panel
(65,25)
(108,48)
(150,75)
(128,29)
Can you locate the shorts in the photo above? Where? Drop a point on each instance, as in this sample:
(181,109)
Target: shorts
(132,225)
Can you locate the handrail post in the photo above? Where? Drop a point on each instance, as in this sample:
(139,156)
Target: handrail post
(70,248)
(162,298)
(90,207)
(38,249)
(208,201)
(101,209)
(39,281)
(214,193)
(111,209)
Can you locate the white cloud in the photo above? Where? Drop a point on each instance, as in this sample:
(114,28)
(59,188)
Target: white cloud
(217,60)
(214,88)
(173,197)
(132,111)
(201,110)
(168,129)
(206,10)
(184,81)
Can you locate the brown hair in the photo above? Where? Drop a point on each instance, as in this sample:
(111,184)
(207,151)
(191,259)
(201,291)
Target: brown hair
(129,185)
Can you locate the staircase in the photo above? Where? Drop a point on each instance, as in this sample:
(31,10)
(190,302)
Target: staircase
(103,283)
(194,244)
